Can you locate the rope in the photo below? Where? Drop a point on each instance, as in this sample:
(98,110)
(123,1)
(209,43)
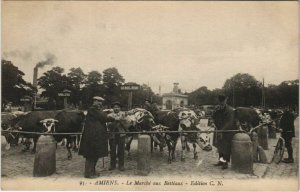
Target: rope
(131,132)
(142,132)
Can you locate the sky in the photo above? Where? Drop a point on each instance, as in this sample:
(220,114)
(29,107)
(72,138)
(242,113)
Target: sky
(157,43)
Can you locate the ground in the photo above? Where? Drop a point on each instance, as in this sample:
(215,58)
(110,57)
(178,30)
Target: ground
(17,164)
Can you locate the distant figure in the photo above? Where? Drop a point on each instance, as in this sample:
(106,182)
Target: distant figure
(94,142)
(288,132)
(147,105)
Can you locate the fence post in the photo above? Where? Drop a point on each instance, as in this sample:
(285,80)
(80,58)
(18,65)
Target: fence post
(144,155)
(254,139)
(262,133)
(45,157)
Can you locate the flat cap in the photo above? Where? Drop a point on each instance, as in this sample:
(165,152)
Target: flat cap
(116,103)
(98,98)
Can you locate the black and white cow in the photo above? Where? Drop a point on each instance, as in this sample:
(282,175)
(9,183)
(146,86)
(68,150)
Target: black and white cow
(188,122)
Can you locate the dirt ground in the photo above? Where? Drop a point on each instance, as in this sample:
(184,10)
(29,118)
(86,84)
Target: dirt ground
(20,164)
(17,165)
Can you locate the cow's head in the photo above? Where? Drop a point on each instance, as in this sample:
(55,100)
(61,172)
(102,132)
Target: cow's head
(204,141)
(187,119)
(142,118)
(160,137)
(48,125)
(11,137)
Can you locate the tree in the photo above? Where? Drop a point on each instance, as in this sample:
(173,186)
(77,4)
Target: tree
(289,93)
(77,80)
(53,82)
(14,87)
(204,96)
(243,90)
(92,88)
(112,80)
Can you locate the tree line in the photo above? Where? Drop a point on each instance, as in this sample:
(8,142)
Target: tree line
(83,87)
(241,89)
(245,90)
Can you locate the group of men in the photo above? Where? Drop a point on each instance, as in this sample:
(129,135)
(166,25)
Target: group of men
(94,143)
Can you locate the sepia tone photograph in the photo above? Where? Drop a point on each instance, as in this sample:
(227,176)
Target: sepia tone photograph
(150,95)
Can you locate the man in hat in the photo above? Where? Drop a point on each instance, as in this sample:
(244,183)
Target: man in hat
(224,120)
(117,141)
(94,137)
(288,132)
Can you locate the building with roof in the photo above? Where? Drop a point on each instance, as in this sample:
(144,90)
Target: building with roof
(174,99)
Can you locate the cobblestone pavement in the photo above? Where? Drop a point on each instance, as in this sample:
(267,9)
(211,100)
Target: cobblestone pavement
(18,164)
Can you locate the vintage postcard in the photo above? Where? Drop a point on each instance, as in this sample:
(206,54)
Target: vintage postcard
(150,95)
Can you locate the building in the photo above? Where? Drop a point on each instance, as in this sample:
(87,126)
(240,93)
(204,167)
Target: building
(174,99)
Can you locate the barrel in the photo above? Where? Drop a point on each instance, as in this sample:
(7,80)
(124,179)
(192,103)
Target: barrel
(242,153)
(262,133)
(144,155)
(45,157)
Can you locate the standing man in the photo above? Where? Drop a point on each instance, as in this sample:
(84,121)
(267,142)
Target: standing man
(224,120)
(147,105)
(117,141)
(288,132)
(94,142)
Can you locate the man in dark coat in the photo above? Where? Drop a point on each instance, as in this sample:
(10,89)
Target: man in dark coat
(224,118)
(94,142)
(288,132)
(117,141)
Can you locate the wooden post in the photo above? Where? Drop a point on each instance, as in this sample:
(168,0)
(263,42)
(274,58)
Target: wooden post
(45,157)
(129,100)
(272,131)
(144,155)
(254,140)
(263,137)
(65,102)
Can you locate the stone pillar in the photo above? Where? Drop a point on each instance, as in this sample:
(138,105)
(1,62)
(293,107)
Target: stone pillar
(144,155)
(45,157)
(242,153)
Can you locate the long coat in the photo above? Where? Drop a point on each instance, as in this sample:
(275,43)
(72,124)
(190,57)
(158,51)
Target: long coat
(287,124)
(94,142)
(225,120)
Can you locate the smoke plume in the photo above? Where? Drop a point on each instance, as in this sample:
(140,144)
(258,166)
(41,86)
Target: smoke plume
(50,59)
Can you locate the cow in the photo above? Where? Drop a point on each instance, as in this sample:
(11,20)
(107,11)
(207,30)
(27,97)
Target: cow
(69,122)
(247,118)
(64,122)
(7,122)
(138,119)
(32,122)
(170,121)
(188,121)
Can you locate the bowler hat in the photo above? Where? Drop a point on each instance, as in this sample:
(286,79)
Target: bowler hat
(98,98)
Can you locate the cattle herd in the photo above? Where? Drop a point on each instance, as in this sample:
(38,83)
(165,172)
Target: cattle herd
(167,127)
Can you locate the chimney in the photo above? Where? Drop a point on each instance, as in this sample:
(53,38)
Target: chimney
(175,88)
(35,73)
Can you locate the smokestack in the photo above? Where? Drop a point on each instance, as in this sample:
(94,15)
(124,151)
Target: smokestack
(159,88)
(175,88)
(50,59)
(35,74)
